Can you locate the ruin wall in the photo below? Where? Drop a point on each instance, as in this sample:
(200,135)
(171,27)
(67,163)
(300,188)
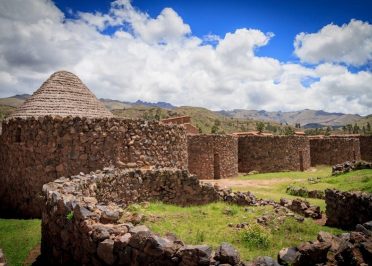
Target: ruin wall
(81,222)
(366,148)
(212,156)
(273,153)
(347,209)
(334,150)
(37,151)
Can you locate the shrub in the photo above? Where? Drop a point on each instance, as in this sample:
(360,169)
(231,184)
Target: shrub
(70,215)
(255,236)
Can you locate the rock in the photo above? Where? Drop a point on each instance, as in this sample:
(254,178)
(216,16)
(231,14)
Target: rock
(265,261)
(105,251)
(157,246)
(2,257)
(138,240)
(227,254)
(368,225)
(110,214)
(195,255)
(312,253)
(324,237)
(362,229)
(139,228)
(287,256)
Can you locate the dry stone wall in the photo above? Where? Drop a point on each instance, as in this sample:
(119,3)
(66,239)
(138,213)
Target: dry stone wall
(347,209)
(366,148)
(273,153)
(36,151)
(80,220)
(212,156)
(332,150)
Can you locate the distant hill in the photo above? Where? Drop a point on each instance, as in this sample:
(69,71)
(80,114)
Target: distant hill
(307,118)
(202,118)
(235,120)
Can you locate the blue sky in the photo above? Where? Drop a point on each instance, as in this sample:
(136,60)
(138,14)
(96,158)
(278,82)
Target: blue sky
(266,55)
(284,18)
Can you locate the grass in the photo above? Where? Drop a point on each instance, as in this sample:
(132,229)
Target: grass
(209,224)
(274,185)
(18,238)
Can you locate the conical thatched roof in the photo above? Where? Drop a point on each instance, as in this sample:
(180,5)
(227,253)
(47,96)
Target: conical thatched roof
(63,94)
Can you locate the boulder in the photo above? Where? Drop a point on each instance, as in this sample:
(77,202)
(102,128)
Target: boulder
(288,256)
(226,253)
(105,251)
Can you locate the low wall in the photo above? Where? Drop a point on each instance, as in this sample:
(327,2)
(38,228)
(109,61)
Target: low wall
(334,150)
(273,153)
(36,151)
(80,219)
(366,148)
(347,209)
(212,156)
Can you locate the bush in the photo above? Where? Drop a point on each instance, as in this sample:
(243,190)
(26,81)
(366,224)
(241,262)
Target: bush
(255,236)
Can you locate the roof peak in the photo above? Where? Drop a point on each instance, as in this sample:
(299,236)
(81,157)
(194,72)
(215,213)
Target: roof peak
(63,94)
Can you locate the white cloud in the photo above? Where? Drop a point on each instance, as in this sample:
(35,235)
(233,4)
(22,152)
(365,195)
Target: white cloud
(158,59)
(351,44)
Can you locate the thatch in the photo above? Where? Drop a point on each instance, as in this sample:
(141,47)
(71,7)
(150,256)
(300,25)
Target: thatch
(63,94)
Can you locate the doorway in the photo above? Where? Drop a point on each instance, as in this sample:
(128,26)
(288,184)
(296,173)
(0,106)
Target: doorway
(216,166)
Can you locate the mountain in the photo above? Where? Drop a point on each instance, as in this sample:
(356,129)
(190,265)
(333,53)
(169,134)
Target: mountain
(307,118)
(235,120)
(163,105)
(15,100)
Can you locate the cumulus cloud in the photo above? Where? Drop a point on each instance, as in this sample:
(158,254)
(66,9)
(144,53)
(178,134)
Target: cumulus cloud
(350,43)
(158,59)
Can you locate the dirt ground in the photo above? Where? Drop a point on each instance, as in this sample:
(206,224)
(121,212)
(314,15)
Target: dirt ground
(230,182)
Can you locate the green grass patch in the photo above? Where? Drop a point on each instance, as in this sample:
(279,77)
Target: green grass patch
(18,238)
(277,183)
(209,224)
(319,171)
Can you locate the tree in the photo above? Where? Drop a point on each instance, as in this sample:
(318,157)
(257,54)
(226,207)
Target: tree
(157,114)
(368,127)
(216,126)
(260,126)
(349,128)
(356,129)
(288,131)
(328,131)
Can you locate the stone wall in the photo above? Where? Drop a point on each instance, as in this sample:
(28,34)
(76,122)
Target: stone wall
(334,150)
(80,221)
(366,148)
(36,151)
(347,209)
(213,156)
(273,153)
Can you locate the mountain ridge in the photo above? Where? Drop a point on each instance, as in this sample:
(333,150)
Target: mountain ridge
(307,118)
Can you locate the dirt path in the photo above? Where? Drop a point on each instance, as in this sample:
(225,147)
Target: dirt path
(250,183)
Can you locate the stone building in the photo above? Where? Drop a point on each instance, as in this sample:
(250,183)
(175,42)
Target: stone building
(212,156)
(63,130)
(334,149)
(273,153)
(185,121)
(366,148)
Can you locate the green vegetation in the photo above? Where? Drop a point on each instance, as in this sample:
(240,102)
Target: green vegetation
(5,110)
(205,120)
(18,238)
(274,185)
(215,223)
(70,215)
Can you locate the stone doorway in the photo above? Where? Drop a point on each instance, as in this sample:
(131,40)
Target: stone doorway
(301,161)
(216,166)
